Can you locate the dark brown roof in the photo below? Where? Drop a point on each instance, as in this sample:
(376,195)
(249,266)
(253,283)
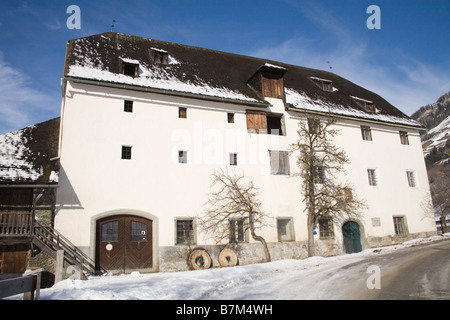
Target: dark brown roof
(209,73)
(26,154)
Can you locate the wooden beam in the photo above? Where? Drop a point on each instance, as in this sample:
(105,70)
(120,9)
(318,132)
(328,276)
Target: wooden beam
(16,285)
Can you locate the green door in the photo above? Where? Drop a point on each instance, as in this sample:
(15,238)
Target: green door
(352,237)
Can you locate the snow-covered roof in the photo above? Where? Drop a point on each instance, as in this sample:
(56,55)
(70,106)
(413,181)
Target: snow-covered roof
(301,101)
(25,155)
(213,74)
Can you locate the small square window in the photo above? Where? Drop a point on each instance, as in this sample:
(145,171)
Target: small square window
(318,175)
(128,106)
(404,137)
(185,231)
(279,162)
(275,124)
(372,174)
(159,56)
(324,84)
(367,105)
(285,229)
(126,152)
(230,117)
(411,178)
(233,159)
(182,113)
(182,156)
(313,125)
(370,107)
(237,230)
(399,226)
(366,133)
(326,228)
(130,69)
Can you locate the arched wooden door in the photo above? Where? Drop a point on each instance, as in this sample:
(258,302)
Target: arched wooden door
(352,237)
(124,244)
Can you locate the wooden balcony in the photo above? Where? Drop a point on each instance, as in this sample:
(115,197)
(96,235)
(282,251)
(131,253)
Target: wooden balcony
(15,224)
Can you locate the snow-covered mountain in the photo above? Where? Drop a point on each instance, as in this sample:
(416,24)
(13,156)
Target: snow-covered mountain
(436,147)
(436,119)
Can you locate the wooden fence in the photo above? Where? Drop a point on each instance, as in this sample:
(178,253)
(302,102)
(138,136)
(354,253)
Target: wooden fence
(29,284)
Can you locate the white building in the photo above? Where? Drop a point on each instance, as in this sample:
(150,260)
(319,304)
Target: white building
(145,123)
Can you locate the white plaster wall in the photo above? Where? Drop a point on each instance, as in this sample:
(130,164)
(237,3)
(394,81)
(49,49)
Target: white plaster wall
(94,179)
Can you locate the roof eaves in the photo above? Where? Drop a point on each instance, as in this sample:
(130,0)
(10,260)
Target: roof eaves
(117,85)
(418,126)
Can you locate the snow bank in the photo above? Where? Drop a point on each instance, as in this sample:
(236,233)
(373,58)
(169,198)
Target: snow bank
(311,278)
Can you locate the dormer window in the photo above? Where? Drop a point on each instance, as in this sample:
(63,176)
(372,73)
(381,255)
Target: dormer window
(268,81)
(367,105)
(130,67)
(159,56)
(324,84)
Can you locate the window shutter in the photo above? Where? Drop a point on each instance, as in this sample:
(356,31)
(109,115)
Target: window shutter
(256,121)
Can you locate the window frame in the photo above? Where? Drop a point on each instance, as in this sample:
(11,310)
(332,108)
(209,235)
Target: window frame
(326,228)
(138,237)
(182,113)
(281,159)
(127,152)
(105,235)
(289,236)
(324,84)
(400,227)
(411,177)
(182,156)
(314,125)
(404,139)
(127,67)
(366,133)
(238,230)
(128,106)
(372,175)
(319,174)
(185,231)
(261,122)
(233,159)
(368,106)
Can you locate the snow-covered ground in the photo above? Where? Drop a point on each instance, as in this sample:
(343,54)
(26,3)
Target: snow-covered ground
(311,278)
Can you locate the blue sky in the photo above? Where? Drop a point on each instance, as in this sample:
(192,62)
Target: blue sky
(407,61)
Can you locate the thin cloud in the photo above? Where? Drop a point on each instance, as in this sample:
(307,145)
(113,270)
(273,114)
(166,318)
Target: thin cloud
(18,101)
(403,81)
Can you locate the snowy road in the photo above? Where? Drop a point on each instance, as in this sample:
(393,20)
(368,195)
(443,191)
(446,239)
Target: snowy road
(418,273)
(414,270)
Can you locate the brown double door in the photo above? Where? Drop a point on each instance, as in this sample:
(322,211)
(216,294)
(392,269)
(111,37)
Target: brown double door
(124,244)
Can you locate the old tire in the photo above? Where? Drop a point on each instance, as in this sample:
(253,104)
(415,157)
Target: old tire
(199,259)
(228,258)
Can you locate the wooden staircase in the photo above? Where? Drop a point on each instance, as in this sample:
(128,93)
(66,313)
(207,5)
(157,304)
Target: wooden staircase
(50,241)
(22,226)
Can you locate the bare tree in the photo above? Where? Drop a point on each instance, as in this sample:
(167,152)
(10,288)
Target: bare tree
(440,191)
(233,197)
(320,161)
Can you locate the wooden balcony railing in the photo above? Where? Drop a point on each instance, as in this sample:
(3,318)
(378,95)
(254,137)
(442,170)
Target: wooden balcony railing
(15,224)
